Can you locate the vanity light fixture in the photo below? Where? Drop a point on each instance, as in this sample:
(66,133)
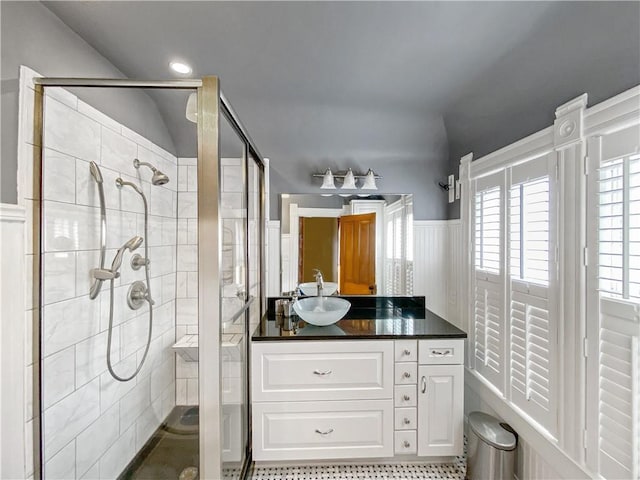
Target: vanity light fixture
(370,181)
(349,182)
(181,68)
(349,179)
(327,180)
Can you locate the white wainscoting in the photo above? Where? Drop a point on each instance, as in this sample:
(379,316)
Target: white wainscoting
(272,248)
(12,333)
(456,310)
(431,261)
(530,464)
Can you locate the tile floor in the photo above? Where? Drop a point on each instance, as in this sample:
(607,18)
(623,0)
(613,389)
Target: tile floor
(455,471)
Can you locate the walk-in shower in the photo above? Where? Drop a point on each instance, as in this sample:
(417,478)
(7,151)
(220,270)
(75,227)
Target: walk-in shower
(139,292)
(135,379)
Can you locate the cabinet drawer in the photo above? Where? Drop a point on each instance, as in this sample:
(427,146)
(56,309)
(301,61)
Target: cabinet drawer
(322,430)
(405,396)
(441,352)
(405,442)
(322,370)
(406,373)
(406,350)
(405,419)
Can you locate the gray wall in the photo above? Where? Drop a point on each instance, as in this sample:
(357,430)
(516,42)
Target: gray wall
(35,37)
(409,150)
(584,47)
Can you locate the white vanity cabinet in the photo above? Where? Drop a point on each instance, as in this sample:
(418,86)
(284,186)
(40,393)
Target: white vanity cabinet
(348,399)
(440,397)
(315,400)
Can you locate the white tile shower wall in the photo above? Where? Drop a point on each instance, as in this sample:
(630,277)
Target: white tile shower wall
(93,425)
(187,277)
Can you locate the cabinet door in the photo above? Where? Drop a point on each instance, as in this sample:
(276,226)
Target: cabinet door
(440,410)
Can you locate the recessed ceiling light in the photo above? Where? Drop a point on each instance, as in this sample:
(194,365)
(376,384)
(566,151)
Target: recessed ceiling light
(180,67)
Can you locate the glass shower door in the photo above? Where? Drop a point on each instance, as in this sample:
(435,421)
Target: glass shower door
(235,300)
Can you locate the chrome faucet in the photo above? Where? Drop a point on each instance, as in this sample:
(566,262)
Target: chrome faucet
(319,282)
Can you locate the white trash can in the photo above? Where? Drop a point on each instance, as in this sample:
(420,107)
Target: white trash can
(491,448)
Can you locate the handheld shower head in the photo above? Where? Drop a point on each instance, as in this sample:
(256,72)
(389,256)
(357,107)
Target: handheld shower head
(95,172)
(158,177)
(131,245)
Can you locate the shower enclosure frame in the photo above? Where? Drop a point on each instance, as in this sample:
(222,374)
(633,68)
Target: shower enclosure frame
(211,104)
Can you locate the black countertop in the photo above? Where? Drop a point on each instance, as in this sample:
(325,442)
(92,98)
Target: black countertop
(369,318)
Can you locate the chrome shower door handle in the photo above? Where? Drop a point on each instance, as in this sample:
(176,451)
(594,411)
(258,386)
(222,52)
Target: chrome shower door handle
(423,385)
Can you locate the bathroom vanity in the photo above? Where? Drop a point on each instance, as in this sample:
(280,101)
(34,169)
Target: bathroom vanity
(384,382)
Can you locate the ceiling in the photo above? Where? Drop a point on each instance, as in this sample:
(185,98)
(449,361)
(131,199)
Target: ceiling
(318,80)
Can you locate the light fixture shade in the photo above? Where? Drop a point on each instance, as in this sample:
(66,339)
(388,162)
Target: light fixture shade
(349,181)
(327,180)
(192,108)
(369,181)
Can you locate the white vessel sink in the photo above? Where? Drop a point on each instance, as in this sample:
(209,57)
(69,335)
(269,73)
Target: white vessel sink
(311,288)
(321,311)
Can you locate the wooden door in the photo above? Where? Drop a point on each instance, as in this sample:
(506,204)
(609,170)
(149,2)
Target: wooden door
(358,254)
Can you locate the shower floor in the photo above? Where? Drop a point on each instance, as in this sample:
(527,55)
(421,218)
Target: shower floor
(172,453)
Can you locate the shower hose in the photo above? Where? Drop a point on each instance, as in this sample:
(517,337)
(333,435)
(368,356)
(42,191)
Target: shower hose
(148,298)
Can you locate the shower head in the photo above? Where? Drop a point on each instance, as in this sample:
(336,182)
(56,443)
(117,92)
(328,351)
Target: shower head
(131,245)
(158,178)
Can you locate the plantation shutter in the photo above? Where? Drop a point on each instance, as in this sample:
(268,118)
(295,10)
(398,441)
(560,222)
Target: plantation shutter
(398,266)
(488,305)
(409,251)
(614,325)
(532,319)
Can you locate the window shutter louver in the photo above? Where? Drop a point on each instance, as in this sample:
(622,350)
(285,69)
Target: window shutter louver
(616,325)
(532,358)
(488,305)
(618,422)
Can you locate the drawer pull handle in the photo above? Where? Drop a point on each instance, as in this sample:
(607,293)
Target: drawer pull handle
(318,372)
(406,398)
(406,444)
(440,352)
(407,421)
(407,352)
(406,375)
(423,384)
(324,433)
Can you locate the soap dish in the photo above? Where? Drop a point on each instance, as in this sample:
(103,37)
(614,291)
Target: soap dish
(187,348)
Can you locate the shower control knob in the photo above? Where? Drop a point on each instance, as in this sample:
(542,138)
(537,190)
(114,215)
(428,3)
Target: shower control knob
(138,261)
(137,295)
